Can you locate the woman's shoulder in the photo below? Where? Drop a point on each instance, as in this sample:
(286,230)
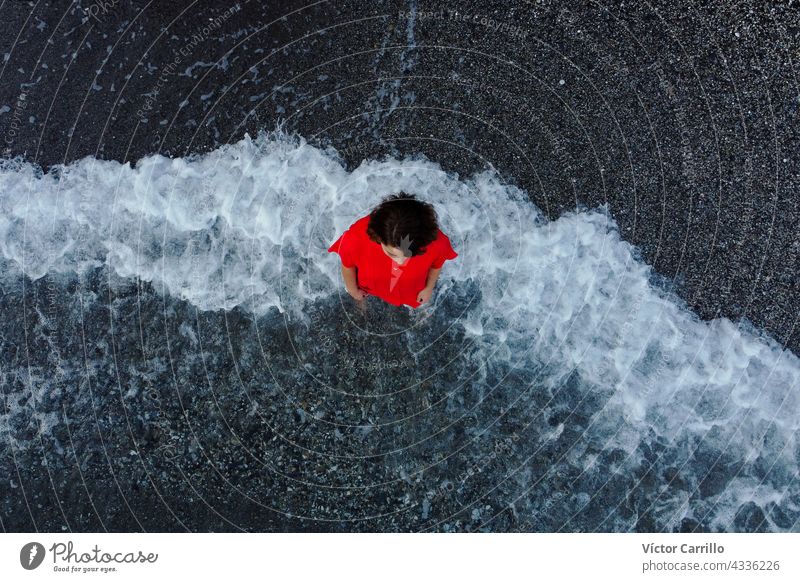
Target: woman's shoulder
(442,239)
(359,227)
(441,248)
(441,235)
(361,224)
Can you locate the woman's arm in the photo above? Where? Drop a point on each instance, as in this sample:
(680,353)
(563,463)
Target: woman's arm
(425,294)
(433,276)
(351,282)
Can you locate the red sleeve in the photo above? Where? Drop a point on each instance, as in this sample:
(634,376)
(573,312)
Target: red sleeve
(446,252)
(347,247)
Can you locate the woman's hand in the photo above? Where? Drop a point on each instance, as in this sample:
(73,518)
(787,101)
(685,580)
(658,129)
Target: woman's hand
(356,293)
(425,295)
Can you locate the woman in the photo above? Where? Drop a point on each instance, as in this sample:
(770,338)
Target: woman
(396,252)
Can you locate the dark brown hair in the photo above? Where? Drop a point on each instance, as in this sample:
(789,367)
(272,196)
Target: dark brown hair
(404,222)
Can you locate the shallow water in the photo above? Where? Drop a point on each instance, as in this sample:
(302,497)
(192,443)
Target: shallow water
(180,354)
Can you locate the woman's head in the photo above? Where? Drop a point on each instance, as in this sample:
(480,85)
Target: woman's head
(403,225)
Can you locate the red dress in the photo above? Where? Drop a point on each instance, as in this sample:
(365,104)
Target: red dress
(379,275)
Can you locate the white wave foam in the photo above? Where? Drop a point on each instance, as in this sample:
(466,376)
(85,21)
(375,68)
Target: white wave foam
(248,224)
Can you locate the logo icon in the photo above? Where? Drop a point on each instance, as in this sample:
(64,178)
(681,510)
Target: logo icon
(405,247)
(31,555)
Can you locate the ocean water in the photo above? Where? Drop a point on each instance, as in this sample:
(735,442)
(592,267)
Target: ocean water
(178,326)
